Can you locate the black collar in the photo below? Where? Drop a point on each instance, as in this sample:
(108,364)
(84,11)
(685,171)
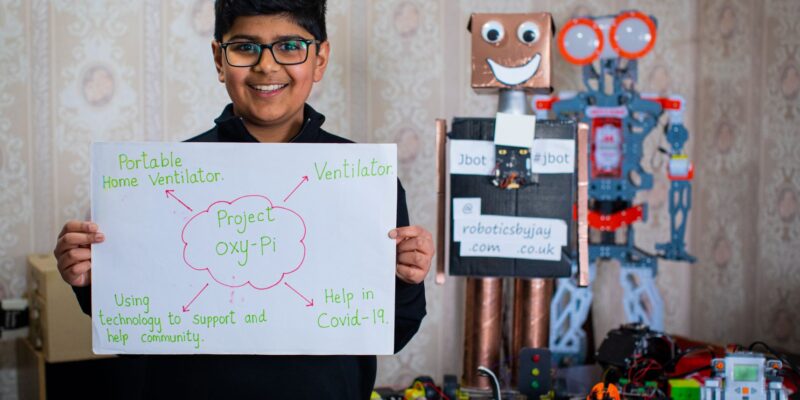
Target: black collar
(230,127)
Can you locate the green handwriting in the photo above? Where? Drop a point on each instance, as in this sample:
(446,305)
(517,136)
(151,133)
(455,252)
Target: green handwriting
(241,221)
(213,321)
(349,169)
(132,301)
(375,316)
(338,297)
(184,337)
(256,318)
(242,247)
(185,177)
(148,162)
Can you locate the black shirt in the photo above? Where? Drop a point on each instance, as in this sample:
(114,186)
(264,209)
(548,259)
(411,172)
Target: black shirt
(273,377)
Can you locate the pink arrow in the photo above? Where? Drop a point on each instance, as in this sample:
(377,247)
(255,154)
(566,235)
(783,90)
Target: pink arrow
(170,192)
(305,179)
(186,307)
(309,303)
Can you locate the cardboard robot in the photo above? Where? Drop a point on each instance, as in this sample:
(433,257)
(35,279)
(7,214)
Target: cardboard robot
(507,189)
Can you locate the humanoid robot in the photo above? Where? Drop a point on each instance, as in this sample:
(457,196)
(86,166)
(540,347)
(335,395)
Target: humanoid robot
(744,375)
(511,210)
(620,118)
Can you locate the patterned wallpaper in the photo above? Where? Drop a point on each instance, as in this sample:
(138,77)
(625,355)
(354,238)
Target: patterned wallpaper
(79,71)
(747,225)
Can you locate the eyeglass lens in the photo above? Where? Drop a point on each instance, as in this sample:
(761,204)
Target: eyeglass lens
(246,54)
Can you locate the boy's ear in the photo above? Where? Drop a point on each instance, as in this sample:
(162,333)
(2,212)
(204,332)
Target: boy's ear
(216,50)
(321,60)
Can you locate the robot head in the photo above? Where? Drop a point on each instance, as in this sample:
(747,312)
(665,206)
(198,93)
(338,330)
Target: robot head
(629,34)
(511,51)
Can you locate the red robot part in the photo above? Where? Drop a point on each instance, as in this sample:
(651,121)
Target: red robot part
(606,148)
(612,222)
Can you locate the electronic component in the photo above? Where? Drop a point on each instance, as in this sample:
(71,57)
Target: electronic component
(534,376)
(631,342)
(744,376)
(604,391)
(513,167)
(450,387)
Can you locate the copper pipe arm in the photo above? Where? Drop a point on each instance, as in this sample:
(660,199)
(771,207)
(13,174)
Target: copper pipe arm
(441,200)
(583,205)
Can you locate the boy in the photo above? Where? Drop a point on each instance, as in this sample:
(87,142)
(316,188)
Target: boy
(268,54)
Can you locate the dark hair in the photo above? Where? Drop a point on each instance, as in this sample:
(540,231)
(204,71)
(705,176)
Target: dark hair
(310,14)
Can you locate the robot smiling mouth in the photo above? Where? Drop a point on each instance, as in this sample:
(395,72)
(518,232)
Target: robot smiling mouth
(512,76)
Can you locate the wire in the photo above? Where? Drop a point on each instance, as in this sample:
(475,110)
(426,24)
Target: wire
(641,374)
(605,375)
(645,253)
(487,372)
(652,366)
(436,388)
(781,357)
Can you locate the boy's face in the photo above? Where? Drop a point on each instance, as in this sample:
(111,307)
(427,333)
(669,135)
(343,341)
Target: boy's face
(269,94)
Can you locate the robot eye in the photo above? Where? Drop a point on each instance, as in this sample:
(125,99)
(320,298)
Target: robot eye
(493,32)
(632,34)
(528,32)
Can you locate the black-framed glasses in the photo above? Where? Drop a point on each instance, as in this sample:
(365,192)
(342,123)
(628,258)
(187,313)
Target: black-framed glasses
(285,52)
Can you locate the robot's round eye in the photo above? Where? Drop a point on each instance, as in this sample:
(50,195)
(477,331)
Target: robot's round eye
(493,32)
(528,32)
(633,34)
(580,41)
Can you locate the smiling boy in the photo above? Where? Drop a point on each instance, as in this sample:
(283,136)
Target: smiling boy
(268,54)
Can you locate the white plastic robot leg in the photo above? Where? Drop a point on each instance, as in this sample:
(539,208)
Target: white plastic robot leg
(568,311)
(776,391)
(711,390)
(641,298)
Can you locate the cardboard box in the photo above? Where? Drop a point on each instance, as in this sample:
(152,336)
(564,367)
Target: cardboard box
(58,326)
(30,372)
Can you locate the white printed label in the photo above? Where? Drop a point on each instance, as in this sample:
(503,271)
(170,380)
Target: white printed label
(505,236)
(499,228)
(553,156)
(477,157)
(471,157)
(523,250)
(466,207)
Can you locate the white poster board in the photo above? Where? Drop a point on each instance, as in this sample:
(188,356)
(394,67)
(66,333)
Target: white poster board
(251,248)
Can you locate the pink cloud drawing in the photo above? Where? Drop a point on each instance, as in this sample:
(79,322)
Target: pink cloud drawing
(245,241)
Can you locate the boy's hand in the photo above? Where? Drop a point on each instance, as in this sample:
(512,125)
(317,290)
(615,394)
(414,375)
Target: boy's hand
(74,251)
(414,252)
